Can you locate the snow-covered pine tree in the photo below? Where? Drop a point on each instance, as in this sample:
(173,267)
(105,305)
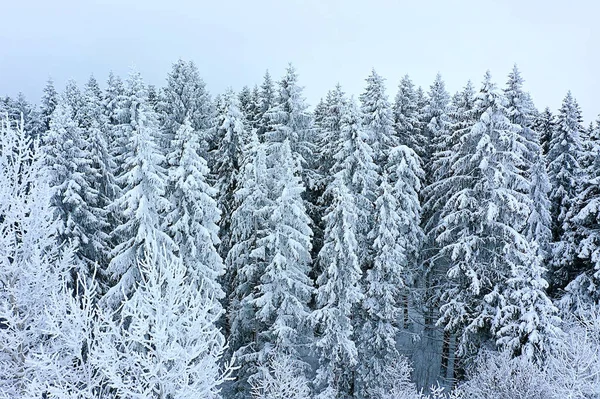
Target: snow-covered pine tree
(378,118)
(564,172)
(539,223)
(266,100)
(192,218)
(113,103)
(285,289)
(544,125)
(185,96)
(48,104)
(74,200)
(437,124)
(330,129)
(73,97)
(522,112)
(355,161)
(245,262)
(232,136)
(143,199)
(481,224)
(407,118)
(290,120)
(396,239)
(338,295)
(582,290)
(39,338)
(166,343)
(94,131)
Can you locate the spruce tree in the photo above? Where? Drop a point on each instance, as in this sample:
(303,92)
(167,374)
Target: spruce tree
(193,214)
(143,200)
(396,240)
(407,117)
(338,295)
(49,102)
(564,173)
(437,124)
(544,125)
(481,224)
(378,119)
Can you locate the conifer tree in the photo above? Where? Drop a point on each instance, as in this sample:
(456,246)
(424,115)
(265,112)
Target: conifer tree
(143,199)
(266,100)
(193,214)
(544,125)
(246,260)
(407,118)
(338,295)
(480,228)
(564,172)
(74,200)
(437,123)
(378,119)
(185,96)
(49,102)
(231,134)
(396,240)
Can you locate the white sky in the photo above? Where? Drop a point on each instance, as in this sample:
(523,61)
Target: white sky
(555,43)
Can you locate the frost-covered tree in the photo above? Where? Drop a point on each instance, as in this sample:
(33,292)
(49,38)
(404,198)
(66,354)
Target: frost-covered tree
(246,260)
(582,289)
(396,238)
(143,199)
(378,117)
(74,200)
(544,126)
(407,117)
(436,120)
(231,136)
(338,295)
(564,172)
(166,343)
(266,100)
(290,120)
(330,127)
(285,289)
(481,224)
(356,166)
(281,377)
(192,216)
(42,325)
(185,96)
(539,222)
(48,104)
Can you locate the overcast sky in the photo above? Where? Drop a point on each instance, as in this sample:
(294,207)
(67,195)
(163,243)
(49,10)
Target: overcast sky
(555,43)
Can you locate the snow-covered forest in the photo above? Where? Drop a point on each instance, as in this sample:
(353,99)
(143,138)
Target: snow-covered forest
(169,243)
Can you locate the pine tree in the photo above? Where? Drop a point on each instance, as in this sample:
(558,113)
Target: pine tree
(564,172)
(330,131)
(266,100)
(481,223)
(354,160)
(246,260)
(193,214)
(582,290)
(437,124)
(143,199)
(285,288)
(185,96)
(165,344)
(544,125)
(338,295)
(228,161)
(95,134)
(396,240)
(48,105)
(74,201)
(378,119)
(407,117)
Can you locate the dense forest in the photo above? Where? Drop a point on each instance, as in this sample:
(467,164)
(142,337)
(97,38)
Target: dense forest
(166,243)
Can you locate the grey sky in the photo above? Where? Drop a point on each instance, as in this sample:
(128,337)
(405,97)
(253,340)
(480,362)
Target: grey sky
(555,43)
